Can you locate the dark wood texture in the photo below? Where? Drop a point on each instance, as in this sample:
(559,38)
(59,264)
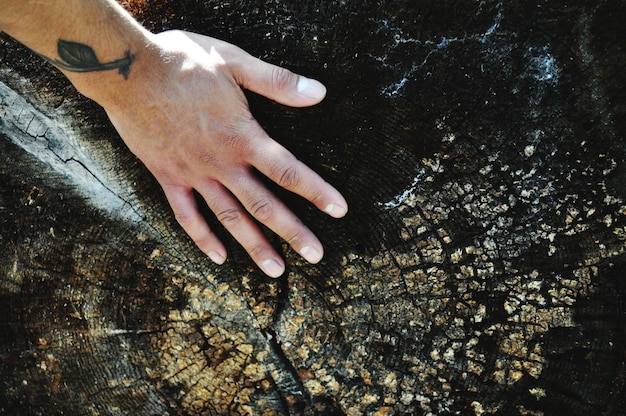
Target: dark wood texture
(481,269)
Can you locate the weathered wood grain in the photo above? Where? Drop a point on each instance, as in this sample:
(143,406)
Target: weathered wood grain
(481,269)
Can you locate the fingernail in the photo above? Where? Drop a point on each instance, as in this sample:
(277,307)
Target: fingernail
(335,210)
(272,268)
(217,257)
(311,254)
(311,88)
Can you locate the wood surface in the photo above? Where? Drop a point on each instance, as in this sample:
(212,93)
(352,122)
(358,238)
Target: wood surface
(481,269)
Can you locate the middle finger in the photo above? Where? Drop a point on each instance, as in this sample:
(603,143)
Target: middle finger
(271,212)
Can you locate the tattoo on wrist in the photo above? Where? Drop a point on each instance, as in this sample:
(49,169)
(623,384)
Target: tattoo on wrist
(78,57)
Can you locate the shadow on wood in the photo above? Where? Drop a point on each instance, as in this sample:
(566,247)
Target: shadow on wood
(480,270)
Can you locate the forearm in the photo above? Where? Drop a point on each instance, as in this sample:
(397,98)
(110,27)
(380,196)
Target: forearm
(65,32)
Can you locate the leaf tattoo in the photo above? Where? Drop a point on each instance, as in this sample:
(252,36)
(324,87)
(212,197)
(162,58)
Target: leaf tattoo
(78,57)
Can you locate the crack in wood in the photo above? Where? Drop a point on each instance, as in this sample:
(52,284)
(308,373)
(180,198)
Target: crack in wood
(53,143)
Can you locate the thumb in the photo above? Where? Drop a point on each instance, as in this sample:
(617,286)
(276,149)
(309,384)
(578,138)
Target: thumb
(279,84)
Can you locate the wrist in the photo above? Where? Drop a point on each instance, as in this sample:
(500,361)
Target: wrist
(109,76)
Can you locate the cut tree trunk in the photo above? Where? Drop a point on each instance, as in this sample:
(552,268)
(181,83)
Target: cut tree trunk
(481,269)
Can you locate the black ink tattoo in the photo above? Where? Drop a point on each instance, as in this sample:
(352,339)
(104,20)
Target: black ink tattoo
(78,57)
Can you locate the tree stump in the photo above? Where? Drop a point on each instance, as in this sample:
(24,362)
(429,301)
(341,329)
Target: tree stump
(481,269)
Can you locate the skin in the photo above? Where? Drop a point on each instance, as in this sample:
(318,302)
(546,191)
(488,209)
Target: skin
(176,100)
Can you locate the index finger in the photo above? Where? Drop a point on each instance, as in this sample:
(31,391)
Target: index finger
(282,167)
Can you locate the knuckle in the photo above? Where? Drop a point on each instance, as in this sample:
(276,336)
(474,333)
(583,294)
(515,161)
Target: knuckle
(289,178)
(229,137)
(229,217)
(281,78)
(183,219)
(228,127)
(316,197)
(262,209)
(234,138)
(206,157)
(204,242)
(293,238)
(255,250)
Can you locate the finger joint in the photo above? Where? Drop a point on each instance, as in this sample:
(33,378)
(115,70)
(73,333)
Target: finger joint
(229,217)
(262,209)
(281,78)
(294,238)
(289,178)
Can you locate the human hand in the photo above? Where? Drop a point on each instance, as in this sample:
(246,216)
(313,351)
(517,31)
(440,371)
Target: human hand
(186,117)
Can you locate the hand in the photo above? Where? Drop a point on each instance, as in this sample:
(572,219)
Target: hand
(189,122)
